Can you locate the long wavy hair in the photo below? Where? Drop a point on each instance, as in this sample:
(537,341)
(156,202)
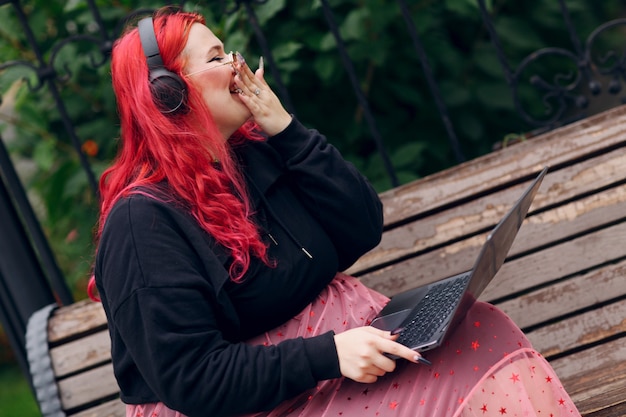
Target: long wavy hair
(178,149)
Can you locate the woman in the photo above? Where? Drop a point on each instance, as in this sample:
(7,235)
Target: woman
(223,224)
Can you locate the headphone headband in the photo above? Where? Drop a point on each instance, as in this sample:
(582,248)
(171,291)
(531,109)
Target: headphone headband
(168,89)
(149,43)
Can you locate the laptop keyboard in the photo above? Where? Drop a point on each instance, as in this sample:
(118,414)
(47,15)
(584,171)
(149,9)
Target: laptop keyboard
(432,311)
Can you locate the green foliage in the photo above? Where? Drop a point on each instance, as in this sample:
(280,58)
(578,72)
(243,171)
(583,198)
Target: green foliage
(463,62)
(16,398)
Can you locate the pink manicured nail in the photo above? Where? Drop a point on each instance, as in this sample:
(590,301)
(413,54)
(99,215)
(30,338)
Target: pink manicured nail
(423,360)
(397,331)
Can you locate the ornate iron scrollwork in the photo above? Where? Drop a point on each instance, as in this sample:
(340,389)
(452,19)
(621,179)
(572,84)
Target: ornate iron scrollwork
(610,63)
(565,96)
(572,90)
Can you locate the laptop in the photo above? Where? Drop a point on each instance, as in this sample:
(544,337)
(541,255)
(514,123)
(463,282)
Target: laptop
(425,315)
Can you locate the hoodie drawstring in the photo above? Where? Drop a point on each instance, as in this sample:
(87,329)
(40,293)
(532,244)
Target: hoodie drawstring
(272,214)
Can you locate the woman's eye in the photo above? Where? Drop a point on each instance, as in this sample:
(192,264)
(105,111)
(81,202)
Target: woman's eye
(217,58)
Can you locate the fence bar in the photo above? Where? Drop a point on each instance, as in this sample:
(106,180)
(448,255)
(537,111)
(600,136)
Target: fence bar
(33,228)
(47,74)
(495,40)
(23,285)
(430,78)
(347,63)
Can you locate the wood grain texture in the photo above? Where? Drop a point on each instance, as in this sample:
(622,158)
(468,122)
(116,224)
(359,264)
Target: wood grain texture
(562,146)
(579,293)
(569,190)
(81,354)
(552,263)
(87,387)
(74,320)
(596,378)
(584,329)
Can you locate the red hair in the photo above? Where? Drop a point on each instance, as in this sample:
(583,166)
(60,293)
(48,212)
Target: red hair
(180,147)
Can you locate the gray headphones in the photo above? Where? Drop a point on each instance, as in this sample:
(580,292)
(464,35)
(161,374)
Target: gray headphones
(167,88)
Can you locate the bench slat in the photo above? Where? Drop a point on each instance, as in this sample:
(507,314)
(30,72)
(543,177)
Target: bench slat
(81,354)
(568,258)
(593,367)
(576,293)
(596,378)
(87,387)
(588,328)
(71,321)
(606,400)
(561,146)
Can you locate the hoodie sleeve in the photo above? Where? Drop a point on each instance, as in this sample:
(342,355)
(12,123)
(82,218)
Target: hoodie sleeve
(166,325)
(333,190)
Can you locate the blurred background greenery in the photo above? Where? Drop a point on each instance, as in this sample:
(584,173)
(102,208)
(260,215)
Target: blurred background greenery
(462,58)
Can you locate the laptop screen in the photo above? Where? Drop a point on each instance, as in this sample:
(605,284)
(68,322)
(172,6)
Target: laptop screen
(500,240)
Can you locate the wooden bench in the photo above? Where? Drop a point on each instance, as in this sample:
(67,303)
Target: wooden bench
(564,282)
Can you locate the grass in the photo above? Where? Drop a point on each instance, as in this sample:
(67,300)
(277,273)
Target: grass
(16,398)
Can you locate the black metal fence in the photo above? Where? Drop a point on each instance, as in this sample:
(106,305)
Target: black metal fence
(29,276)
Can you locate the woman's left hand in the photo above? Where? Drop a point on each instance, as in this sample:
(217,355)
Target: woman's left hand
(267,110)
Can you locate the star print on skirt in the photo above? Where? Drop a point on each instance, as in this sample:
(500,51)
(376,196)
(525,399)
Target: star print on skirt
(486,368)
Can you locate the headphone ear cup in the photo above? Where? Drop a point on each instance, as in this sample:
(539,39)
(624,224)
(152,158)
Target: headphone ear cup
(168,90)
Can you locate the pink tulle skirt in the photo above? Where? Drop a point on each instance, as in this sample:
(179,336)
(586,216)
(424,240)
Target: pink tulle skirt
(486,368)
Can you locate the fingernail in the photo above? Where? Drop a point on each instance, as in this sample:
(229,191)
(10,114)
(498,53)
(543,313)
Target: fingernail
(240,58)
(397,331)
(261,65)
(423,360)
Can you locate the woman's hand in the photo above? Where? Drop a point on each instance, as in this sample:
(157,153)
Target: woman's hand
(267,110)
(361,353)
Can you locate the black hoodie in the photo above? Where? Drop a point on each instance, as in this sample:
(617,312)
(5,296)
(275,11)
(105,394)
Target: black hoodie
(177,322)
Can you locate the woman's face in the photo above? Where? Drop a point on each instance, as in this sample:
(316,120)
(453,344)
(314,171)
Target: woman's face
(205,69)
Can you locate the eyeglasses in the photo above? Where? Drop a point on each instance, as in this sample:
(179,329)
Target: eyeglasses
(229,62)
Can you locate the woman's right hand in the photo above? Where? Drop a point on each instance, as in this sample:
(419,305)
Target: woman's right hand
(267,110)
(361,353)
